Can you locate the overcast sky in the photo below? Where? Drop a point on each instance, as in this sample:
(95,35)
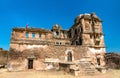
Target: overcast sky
(46,13)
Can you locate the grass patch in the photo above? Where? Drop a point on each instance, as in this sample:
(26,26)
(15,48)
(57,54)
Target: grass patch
(56,74)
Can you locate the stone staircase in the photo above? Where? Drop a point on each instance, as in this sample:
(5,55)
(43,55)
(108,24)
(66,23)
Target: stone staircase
(84,68)
(87,68)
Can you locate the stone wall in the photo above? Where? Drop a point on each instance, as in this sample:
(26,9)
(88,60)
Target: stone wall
(3,57)
(112,60)
(40,54)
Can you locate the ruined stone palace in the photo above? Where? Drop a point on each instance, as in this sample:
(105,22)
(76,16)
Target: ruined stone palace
(41,49)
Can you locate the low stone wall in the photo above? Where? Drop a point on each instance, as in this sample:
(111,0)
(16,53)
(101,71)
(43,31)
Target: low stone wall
(15,65)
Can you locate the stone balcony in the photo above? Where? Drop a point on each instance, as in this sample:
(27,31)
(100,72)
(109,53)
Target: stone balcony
(97,46)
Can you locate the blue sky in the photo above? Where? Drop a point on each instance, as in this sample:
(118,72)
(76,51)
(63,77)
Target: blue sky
(46,13)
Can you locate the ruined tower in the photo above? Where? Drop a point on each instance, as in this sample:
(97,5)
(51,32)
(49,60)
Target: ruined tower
(87,31)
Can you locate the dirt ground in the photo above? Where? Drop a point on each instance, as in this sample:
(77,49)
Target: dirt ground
(53,74)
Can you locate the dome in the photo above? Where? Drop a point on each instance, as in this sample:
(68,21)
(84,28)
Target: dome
(56,26)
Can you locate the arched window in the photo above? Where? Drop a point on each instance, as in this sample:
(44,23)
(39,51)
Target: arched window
(76,31)
(69,56)
(57,33)
(98,61)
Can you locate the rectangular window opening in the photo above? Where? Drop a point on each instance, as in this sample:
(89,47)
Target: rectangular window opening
(57,43)
(97,43)
(27,35)
(33,35)
(96,29)
(39,35)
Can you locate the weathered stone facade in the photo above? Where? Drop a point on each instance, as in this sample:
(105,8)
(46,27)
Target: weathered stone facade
(112,60)
(40,49)
(3,57)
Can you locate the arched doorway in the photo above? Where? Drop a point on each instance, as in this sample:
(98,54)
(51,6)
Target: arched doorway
(69,56)
(98,61)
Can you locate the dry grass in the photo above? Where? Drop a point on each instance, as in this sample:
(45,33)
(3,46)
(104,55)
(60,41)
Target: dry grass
(115,74)
(53,74)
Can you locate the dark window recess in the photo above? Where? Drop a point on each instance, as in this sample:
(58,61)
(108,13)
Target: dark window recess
(97,42)
(72,43)
(80,41)
(95,21)
(76,31)
(33,35)
(89,21)
(70,35)
(57,43)
(98,61)
(57,33)
(69,56)
(39,35)
(27,35)
(67,43)
(60,43)
(77,43)
(81,29)
(91,36)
